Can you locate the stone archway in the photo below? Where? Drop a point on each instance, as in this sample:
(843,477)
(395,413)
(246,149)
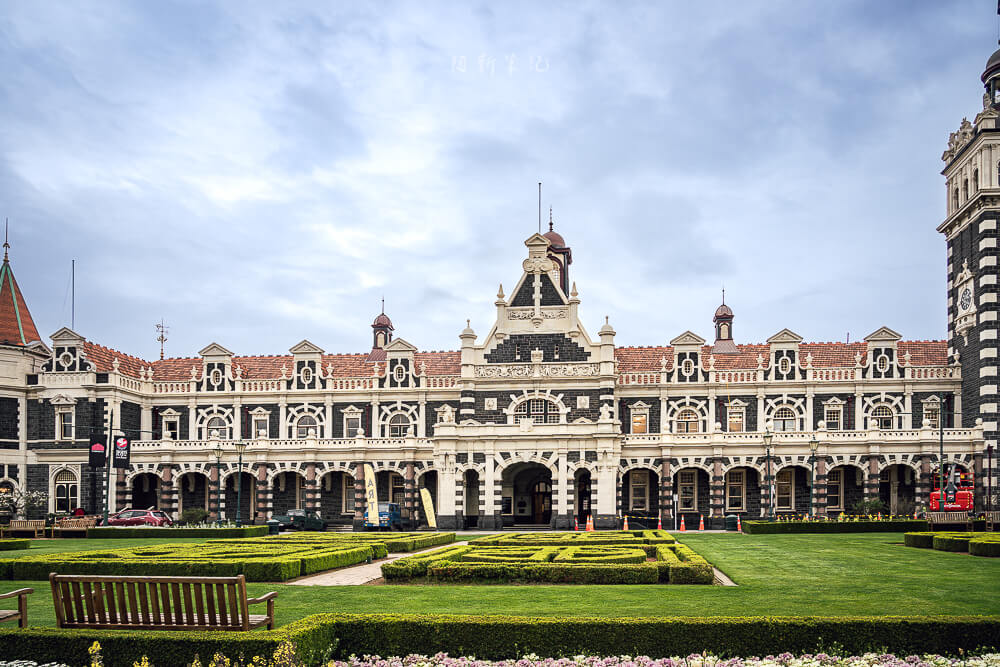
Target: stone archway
(897,488)
(145,491)
(192,492)
(582,486)
(247,494)
(470,489)
(529,487)
(336,498)
(287,492)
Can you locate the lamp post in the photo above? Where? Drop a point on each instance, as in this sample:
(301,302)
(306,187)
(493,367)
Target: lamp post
(218,483)
(989,478)
(770,482)
(813,446)
(950,489)
(240,448)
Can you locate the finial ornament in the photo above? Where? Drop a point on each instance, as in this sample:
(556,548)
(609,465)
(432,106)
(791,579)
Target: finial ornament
(6,245)
(723,295)
(550,218)
(500,294)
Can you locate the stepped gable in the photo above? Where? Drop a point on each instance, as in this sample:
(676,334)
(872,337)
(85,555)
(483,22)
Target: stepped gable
(16,325)
(103,358)
(643,359)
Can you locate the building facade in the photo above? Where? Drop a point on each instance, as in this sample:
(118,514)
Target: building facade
(536,422)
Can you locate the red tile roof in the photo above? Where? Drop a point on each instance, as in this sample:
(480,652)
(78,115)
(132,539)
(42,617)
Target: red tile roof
(103,357)
(16,325)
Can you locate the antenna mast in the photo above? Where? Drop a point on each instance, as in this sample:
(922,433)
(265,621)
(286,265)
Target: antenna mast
(539,207)
(161,329)
(72,316)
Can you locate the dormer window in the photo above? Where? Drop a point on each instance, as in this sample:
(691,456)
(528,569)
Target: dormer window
(66,359)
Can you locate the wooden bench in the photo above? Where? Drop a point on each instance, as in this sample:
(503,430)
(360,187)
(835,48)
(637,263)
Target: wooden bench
(948,518)
(34,526)
(157,603)
(992,519)
(21,614)
(74,524)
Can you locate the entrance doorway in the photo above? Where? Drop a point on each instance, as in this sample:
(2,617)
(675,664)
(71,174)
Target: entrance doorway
(527,494)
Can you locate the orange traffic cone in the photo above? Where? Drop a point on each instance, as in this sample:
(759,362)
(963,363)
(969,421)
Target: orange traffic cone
(625,527)
(590,523)
(701,522)
(739,524)
(683,527)
(659,523)
(576,525)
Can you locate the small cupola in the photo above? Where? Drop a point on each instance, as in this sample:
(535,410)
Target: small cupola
(723,321)
(559,253)
(381,330)
(991,79)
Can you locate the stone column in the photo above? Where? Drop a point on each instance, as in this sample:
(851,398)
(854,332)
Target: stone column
(489,518)
(168,492)
(872,479)
(214,493)
(121,491)
(979,492)
(409,496)
(310,489)
(819,487)
(561,508)
(359,495)
(265,506)
(605,516)
(925,481)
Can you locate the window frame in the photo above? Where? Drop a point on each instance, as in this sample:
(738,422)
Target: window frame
(835,480)
(741,485)
(740,413)
(789,482)
(877,420)
(837,410)
(64,415)
(223,430)
(66,489)
(779,422)
(397,429)
(638,479)
(683,487)
(347,498)
(527,409)
(302,431)
(685,425)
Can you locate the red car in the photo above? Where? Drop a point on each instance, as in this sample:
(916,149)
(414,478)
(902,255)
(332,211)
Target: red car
(139,518)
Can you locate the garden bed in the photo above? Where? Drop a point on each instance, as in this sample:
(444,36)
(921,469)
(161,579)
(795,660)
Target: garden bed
(14,543)
(563,558)
(834,526)
(183,532)
(506,637)
(394,542)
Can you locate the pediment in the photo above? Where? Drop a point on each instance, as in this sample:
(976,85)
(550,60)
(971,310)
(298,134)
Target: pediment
(833,401)
(883,334)
(215,350)
(785,336)
(169,412)
(62,399)
(688,338)
(39,348)
(305,347)
(66,336)
(537,239)
(400,345)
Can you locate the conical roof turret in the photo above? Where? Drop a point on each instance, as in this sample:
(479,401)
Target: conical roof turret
(16,325)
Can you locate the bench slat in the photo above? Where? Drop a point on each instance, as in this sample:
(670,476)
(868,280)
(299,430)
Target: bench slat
(220,596)
(188,603)
(109,600)
(234,612)
(199,604)
(88,599)
(144,603)
(77,600)
(175,589)
(210,601)
(154,597)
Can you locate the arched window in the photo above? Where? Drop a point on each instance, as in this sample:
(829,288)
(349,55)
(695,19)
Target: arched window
(688,422)
(217,426)
(723,331)
(67,491)
(954,200)
(399,424)
(784,419)
(965,190)
(882,418)
(539,410)
(305,426)
(975,180)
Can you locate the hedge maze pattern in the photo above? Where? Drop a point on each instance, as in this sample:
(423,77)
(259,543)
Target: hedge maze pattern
(634,557)
(258,559)
(976,544)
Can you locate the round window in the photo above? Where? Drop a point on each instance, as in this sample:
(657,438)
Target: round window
(687,367)
(216,377)
(306,375)
(883,363)
(785,365)
(399,373)
(66,359)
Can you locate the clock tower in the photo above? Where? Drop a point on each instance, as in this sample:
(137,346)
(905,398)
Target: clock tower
(972,182)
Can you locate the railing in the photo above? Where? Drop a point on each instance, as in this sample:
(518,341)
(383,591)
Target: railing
(171,387)
(801,437)
(66,379)
(277,444)
(256,386)
(639,378)
(833,374)
(738,377)
(350,384)
(443,381)
(931,372)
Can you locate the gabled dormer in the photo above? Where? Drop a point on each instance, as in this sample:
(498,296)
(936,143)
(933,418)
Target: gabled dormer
(68,353)
(883,354)
(217,369)
(306,366)
(399,371)
(687,358)
(784,352)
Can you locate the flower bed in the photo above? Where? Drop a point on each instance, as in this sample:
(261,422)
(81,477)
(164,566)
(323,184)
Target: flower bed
(176,531)
(559,558)
(14,544)
(394,542)
(861,525)
(259,561)
(977,544)
(611,537)
(339,636)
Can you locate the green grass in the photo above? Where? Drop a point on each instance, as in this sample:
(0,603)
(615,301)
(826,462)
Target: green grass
(779,575)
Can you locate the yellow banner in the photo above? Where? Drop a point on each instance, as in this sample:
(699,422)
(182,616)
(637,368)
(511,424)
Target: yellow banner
(425,496)
(371,496)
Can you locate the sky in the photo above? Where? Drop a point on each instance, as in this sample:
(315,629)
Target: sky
(260,173)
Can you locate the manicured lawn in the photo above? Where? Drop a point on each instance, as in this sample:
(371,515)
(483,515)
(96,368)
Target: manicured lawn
(779,575)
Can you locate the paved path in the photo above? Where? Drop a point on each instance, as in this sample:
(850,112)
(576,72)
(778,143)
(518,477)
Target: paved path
(357,575)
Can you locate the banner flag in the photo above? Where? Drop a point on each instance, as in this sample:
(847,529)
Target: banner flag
(122,453)
(425,496)
(371,496)
(98,449)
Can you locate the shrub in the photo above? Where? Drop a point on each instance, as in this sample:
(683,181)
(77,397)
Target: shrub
(952,541)
(193,515)
(985,546)
(14,544)
(182,532)
(923,540)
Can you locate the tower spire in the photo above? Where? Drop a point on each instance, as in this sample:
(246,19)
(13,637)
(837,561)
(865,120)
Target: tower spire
(550,218)
(16,325)
(6,245)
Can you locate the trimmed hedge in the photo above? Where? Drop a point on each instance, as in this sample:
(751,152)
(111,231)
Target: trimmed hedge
(976,544)
(777,527)
(14,544)
(503,637)
(394,543)
(602,538)
(549,573)
(183,533)
(260,561)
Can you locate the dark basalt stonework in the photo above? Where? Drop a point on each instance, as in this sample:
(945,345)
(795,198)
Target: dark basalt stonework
(554,347)
(526,294)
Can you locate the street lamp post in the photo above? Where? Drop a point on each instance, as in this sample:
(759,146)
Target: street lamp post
(240,448)
(813,446)
(218,484)
(950,489)
(770,481)
(989,478)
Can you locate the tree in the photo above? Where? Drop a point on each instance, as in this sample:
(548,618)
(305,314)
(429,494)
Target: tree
(16,502)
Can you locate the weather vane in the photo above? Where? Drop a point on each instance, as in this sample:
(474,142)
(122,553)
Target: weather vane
(162,330)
